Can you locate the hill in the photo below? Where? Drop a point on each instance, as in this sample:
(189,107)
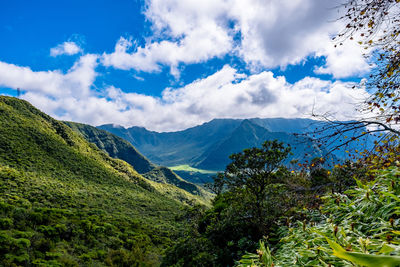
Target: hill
(118,147)
(115,146)
(64,202)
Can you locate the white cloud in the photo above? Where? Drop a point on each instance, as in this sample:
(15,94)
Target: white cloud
(199,46)
(224,94)
(66,48)
(47,89)
(343,61)
(190,32)
(272,33)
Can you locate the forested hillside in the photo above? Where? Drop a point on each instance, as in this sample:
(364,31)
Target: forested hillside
(64,202)
(211,133)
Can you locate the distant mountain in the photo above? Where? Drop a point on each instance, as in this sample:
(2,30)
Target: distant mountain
(308,127)
(209,145)
(287,125)
(65,202)
(118,147)
(176,148)
(249,134)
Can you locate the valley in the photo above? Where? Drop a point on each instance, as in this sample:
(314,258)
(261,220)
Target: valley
(199,152)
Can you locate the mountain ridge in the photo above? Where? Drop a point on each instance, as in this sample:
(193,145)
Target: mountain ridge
(207,146)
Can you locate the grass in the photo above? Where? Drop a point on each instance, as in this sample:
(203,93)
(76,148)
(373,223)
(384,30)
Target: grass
(188,168)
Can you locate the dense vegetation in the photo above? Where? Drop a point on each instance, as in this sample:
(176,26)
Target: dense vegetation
(254,196)
(115,146)
(315,217)
(64,202)
(360,226)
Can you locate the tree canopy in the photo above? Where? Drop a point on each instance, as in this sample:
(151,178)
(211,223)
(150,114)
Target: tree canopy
(252,171)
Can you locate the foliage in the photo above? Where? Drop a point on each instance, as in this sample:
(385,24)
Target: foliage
(222,234)
(217,236)
(64,202)
(263,257)
(250,176)
(360,226)
(115,146)
(166,176)
(375,24)
(385,154)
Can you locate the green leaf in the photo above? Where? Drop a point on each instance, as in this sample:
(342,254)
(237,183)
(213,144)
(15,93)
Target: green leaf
(386,249)
(391,195)
(363,259)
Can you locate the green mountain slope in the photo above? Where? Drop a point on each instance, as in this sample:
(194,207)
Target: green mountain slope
(64,202)
(115,146)
(167,176)
(119,148)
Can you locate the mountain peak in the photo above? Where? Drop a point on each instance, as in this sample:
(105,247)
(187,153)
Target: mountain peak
(111,125)
(248,123)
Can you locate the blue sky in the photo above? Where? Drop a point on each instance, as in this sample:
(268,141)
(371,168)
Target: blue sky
(171,64)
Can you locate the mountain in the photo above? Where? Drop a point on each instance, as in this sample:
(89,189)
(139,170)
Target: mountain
(249,134)
(175,148)
(117,147)
(208,146)
(65,202)
(287,125)
(308,127)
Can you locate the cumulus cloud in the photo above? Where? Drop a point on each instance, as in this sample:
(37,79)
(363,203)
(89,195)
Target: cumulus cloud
(197,42)
(225,94)
(265,34)
(48,89)
(185,32)
(66,48)
(343,61)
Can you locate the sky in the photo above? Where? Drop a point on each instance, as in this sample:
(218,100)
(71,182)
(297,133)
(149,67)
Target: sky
(167,65)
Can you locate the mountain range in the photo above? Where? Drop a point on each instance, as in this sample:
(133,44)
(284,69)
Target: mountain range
(75,195)
(209,145)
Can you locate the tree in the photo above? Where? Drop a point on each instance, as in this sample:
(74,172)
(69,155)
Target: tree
(251,172)
(374,25)
(254,197)
(217,185)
